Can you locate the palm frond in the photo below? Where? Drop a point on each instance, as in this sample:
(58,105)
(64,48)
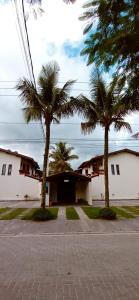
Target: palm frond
(88,127)
(28,92)
(68,86)
(120,124)
(98,90)
(30,114)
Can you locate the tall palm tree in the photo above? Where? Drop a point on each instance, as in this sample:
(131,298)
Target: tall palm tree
(49,102)
(61,157)
(107,105)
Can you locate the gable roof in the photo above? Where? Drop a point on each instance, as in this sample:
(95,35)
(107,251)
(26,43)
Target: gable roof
(98,157)
(67,175)
(15,153)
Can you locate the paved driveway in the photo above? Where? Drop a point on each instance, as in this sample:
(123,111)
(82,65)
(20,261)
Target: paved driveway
(69,267)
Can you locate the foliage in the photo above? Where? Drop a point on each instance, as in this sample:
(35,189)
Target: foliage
(107,214)
(41,214)
(61,155)
(82,201)
(112,33)
(71,213)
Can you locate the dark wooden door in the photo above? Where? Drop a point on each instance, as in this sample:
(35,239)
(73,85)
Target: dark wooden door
(66,192)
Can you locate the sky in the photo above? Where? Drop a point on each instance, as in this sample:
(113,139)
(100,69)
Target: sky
(55,35)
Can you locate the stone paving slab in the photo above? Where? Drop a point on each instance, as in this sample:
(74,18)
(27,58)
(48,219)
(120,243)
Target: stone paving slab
(63,226)
(69,267)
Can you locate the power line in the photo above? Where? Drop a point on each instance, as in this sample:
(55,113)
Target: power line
(28,43)
(75,139)
(22,38)
(38,123)
(59,81)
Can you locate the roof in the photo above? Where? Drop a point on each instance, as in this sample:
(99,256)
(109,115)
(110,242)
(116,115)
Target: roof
(98,157)
(15,153)
(67,175)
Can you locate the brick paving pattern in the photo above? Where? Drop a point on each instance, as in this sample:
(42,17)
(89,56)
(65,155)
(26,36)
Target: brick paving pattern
(80,267)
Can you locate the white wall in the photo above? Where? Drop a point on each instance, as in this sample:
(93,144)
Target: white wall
(16,186)
(123,186)
(98,187)
(81,190)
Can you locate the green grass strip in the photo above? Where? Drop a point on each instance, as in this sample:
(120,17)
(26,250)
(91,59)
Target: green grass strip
(91,212)
(54,211)
(122,213)
(71,213)
(4,209)
(29,214)
(132,209)
(12,214)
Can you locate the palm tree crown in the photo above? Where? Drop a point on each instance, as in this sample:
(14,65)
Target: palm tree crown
(106,106)
(61,157)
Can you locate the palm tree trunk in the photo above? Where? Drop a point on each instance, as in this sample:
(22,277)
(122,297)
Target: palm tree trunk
(106,176)
(45,163)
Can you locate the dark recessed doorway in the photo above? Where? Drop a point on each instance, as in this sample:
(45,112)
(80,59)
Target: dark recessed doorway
(66,192)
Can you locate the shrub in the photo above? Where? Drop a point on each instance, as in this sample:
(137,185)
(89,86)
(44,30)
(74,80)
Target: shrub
(42,215)
(81,201)
(107,214)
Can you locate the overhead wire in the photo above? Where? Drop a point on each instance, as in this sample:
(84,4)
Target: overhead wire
(27,50)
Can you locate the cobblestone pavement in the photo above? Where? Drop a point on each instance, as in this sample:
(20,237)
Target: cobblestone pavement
(131,202)
(69,267)
(30,204)
(15,203)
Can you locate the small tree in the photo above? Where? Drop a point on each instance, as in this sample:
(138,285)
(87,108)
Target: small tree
(61,157)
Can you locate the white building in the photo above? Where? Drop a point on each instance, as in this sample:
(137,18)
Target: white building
(19,177)
(123,175)
(88,181)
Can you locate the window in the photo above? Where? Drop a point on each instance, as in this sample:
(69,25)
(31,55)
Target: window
(112,170)
(9,169)
(117,169)
(3,169)
(46,187)
(86,171)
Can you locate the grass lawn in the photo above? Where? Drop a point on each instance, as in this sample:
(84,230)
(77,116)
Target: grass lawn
(91,212)
(132,209)
(4,209)
(12,214)
(71,213)
(29,214)
(122,213)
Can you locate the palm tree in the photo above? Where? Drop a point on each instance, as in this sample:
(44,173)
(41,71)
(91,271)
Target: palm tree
(106,106)
(49,102)
(61,156)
